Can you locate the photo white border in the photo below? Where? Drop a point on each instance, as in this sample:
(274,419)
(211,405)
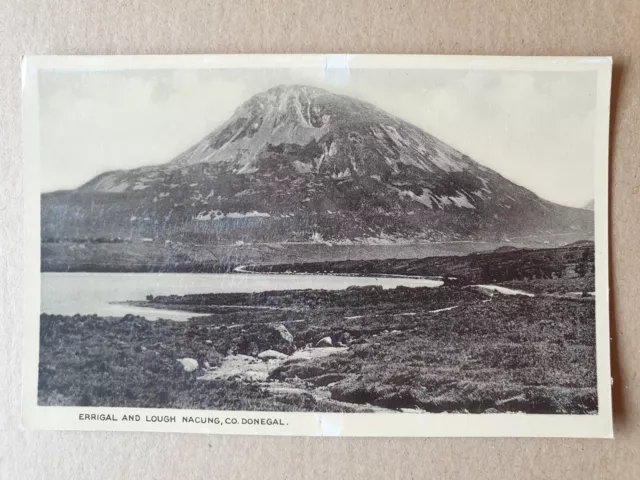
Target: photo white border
(317,424)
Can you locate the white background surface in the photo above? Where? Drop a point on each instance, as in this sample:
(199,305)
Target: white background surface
(546,27)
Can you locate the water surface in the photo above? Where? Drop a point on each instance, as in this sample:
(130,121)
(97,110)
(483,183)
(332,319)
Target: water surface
(98,293)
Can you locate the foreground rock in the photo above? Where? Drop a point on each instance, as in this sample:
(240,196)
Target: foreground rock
(282,337)
(324,342)
(188,364)
(269,337)
(272,355)
(240,367)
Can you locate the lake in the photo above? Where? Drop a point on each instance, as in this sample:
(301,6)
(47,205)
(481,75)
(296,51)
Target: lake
(98,293)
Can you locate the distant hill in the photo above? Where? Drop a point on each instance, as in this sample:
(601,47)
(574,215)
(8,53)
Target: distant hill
(506,248)
(581,243)
(482,267)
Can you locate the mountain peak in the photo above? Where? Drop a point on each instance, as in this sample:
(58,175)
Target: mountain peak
(302,115)
(285,114)
(280,96)
(293,89)
(295,161)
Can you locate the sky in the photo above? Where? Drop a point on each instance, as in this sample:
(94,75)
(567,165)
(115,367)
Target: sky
(535,128)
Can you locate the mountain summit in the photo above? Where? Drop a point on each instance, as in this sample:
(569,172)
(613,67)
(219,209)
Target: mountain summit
(299,163)
(301,115)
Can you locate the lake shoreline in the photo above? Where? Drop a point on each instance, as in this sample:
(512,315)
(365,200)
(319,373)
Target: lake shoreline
(116,294)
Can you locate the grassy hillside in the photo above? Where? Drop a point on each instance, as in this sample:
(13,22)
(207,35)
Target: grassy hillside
(198,253)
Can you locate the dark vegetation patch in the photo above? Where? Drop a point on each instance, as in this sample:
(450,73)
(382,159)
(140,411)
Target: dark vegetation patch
(552,270)
(353,299)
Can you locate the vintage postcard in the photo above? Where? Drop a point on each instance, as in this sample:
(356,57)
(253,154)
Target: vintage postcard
(357,245)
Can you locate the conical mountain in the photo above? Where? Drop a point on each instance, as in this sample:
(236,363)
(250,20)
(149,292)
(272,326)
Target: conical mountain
(297,164)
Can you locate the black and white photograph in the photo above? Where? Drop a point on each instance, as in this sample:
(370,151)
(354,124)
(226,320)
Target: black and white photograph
(414,239)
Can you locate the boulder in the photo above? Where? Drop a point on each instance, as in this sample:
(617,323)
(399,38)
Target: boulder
(327,379)
(272,355)
(188,364)
(270,337)
(283,332)
(280,339)
(324,342)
